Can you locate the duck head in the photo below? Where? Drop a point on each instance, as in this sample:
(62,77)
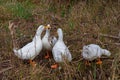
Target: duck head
(60,34)
(48,27)
(40,30)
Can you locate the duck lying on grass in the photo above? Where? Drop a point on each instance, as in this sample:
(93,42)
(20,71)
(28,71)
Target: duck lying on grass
(60,51)
(32,49)
(48,41)
(93,51)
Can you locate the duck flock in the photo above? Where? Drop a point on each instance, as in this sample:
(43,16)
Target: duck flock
(58,48)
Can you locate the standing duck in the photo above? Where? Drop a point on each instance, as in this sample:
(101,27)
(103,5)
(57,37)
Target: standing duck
(60,50)
(93,51)
(48,41)
(32,49)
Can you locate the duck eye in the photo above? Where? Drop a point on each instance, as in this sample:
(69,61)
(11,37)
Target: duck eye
(87,53)
(48,27)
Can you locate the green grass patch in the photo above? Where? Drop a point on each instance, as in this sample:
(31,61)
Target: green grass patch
(22,10)
(19,11)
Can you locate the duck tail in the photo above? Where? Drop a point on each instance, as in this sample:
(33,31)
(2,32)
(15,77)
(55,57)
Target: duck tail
(15,50)
(106,52)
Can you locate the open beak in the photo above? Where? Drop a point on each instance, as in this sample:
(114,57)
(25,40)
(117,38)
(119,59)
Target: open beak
(47,27)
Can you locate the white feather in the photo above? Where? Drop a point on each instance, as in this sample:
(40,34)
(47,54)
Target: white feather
(93,51)
(48,41)
(32,49)
(60,50)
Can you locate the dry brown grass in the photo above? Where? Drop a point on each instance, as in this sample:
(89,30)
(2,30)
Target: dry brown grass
(81,21)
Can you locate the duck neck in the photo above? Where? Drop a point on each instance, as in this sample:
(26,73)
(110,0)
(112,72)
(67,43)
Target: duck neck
(47,34)
(36,37)
(60,36)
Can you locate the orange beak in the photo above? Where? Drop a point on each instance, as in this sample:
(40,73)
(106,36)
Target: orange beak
(48,27)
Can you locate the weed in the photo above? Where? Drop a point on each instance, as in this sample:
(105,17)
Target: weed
(71,25)
(52,7)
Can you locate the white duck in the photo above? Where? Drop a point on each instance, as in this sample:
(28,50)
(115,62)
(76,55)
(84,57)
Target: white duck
(48,41)
(60,50)
(93,51)
(32,49)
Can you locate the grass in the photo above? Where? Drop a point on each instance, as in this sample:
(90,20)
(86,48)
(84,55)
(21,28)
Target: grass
(81,21)
(18,10)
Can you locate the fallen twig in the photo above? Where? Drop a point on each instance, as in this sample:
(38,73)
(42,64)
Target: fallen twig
(78,60)
(110,36)
(4,61)
(106,58)
(118,44)
(5,69)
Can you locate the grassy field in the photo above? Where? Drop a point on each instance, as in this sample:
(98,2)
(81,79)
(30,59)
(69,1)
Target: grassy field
(82,21)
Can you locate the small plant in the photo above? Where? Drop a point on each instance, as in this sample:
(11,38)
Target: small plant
(52,8)
(71,24)
(94,71)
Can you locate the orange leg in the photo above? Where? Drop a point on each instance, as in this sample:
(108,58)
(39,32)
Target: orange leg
(54,66)
(32,63)
(87,62)
(99,61)
(47,56)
